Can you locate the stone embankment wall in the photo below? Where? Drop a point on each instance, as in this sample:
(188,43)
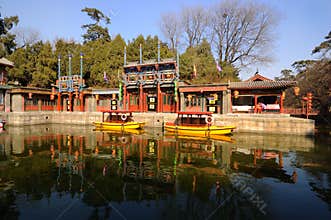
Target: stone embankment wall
(257,123)
(268,123)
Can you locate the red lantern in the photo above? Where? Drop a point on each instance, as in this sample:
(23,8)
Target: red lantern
(236,94)
(296,91)
(310,100)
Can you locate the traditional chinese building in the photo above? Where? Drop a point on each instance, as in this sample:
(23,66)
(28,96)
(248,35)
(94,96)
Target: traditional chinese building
(207,97)
(4,63)
(246,95)
(150,86)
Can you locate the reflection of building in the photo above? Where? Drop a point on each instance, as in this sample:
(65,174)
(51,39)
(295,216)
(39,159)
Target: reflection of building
(260,163)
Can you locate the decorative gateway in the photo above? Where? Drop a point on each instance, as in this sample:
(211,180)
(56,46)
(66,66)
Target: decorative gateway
(197,124)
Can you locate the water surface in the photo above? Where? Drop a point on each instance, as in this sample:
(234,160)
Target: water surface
(66,172)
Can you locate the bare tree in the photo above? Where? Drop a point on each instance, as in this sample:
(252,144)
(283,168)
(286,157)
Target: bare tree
(242,32)
(171,28)
(194,21)
(26,36)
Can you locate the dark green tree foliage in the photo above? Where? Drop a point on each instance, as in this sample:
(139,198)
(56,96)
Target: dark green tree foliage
(149,49)
(313,76)
(65,48)
(324,47)
(95,31)
(287,75)
(104,58)
(97,62)
(291,99)
(7,40)
(202,58)
(34,65)
(116,56)
(133,48)
(44,71)
(22,71)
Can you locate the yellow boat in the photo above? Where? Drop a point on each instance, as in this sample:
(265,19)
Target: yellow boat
(125,131)
(197,124)
(117,120)
(118,125)
(201,137)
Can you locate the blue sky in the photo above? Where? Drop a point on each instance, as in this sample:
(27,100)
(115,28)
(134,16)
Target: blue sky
(303,23)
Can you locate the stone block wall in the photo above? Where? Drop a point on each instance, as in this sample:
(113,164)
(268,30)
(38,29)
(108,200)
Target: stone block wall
(256,123)
(273,123)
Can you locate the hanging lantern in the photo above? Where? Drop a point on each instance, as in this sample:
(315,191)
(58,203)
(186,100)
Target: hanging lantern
(97,97)
(30,95)
(296,90)
(114,96)
(236,94)
(215,96)
(52,97)
(283,95)
(189,97)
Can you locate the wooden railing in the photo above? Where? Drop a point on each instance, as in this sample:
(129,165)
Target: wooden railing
(103,108)
(31,108)
(300,111)
(39,108)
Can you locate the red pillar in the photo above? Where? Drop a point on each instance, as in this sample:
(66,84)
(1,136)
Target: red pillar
(124,97)
(281,103)
(255,103)
(70,102)
(158,98)
(59,102)
(141,101)
(81,102)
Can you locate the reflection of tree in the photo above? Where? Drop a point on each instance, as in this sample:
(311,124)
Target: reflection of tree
(317,163)
(319,188)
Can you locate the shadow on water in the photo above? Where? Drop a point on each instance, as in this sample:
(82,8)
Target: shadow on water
(75,172)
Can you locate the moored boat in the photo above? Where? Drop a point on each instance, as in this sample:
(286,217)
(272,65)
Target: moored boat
(197,124)
(118,120)
(201,137)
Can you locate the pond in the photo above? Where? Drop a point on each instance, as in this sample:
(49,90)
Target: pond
(67,172)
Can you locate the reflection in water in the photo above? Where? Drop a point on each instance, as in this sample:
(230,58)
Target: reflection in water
(124,175)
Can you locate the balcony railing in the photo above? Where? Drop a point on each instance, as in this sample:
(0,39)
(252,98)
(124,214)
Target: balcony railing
(150,76)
